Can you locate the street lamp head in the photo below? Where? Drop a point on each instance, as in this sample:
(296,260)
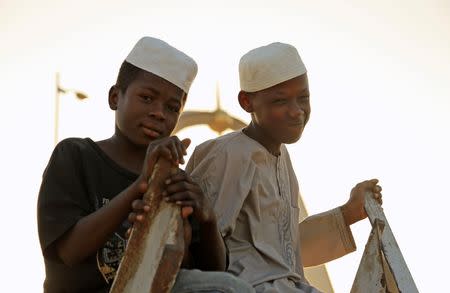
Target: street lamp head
(60,90)
(80,95)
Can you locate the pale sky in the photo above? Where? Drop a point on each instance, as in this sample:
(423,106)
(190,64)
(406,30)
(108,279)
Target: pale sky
(379,76)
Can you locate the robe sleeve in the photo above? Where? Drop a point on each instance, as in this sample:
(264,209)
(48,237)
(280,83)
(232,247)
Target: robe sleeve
(325,237)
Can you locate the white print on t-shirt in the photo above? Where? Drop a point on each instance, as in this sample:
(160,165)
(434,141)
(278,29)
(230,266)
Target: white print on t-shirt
(110,255)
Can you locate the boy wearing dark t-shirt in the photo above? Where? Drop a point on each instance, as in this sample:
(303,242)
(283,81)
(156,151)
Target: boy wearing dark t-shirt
(88,187)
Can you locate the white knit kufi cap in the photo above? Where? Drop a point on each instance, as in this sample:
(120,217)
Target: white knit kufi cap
(165,61)
(269,65)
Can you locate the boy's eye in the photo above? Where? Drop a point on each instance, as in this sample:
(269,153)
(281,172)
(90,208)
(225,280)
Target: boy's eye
(174,108)
(147,99)
(279,101)
(303,98)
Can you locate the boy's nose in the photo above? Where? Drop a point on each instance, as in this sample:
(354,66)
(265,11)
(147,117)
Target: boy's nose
(157,112)
(296,110)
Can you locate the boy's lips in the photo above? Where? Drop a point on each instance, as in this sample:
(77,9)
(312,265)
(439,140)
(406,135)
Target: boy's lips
(151,132)
(296,124)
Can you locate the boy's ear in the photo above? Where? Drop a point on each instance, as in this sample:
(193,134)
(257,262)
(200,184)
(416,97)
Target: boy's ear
(113,97)
(245,102)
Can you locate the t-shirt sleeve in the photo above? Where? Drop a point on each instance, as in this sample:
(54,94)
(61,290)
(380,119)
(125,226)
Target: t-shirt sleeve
(62,199)
(226,179)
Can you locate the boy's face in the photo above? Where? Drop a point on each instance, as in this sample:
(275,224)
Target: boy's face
(283,110)
(149,109)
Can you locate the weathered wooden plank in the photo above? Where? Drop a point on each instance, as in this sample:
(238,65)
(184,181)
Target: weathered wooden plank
(155,248)
(390,248)
(370,275)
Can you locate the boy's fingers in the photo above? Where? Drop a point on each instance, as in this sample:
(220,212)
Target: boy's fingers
(181,186)
(151,161)
(181,152)
(142,187)
(160,151)
(174,152)
(179,196)
(378,197)
(368,184)
(166,152)
(180,176)
(186,142)
(139,205)
(135,217)
(373,181)
(180,149)
(132,217)
(377,188)
(136,204)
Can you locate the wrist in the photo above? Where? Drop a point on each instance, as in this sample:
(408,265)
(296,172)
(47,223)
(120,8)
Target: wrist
(136,190)
(349,219)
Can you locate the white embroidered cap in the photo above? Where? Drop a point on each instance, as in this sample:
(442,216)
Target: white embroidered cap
(269,65)
(165,61)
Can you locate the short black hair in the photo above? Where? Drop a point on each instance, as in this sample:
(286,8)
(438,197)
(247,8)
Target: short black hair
(127,74)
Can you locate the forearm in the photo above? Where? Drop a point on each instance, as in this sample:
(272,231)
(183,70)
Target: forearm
(91,232)
(211,254)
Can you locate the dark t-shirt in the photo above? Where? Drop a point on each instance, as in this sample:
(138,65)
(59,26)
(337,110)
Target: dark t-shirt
(79,179)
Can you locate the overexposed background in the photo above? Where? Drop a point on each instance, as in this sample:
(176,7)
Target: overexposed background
(379,76)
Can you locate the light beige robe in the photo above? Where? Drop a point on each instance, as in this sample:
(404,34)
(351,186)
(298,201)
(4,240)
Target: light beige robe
(255,196)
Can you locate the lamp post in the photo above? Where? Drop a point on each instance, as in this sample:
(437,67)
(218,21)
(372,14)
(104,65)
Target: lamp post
(58,91)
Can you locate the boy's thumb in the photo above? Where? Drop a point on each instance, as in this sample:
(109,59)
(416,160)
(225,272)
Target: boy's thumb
(186,142)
